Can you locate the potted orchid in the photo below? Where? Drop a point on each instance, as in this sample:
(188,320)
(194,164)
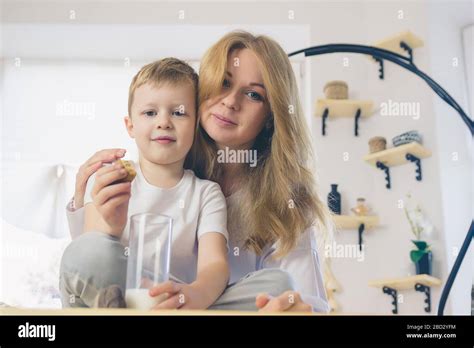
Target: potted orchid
(422,256)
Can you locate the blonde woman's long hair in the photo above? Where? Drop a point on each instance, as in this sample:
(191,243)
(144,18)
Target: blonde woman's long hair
(279,200)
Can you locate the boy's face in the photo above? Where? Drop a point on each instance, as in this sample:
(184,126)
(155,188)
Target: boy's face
(163,122)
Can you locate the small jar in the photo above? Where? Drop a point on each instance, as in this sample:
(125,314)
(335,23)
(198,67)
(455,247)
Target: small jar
(336,90)
(361,209)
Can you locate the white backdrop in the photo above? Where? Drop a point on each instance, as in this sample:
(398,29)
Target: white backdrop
(61,103)
(55,115)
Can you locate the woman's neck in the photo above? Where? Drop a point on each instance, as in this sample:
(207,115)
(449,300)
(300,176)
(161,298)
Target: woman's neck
(161,175)
(231,176)
(231,172)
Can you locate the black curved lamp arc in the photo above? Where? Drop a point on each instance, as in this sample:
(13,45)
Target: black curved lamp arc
(381,54)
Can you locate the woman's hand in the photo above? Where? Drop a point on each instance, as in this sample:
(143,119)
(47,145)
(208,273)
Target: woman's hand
(180,296)
(289,301)
(90,167)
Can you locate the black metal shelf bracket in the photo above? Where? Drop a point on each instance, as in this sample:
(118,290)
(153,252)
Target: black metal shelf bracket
(382,166)
(356,125)
(408,49)
(380,61)
(325,116)
(392,292)
(426,289)
(361,231)
(417,161)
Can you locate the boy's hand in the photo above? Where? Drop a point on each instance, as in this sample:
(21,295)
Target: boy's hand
(180,296)
(90,167)
(111,201)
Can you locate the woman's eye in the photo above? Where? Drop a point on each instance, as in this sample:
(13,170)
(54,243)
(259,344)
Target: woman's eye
(226,83)
(150,113)
(255,96)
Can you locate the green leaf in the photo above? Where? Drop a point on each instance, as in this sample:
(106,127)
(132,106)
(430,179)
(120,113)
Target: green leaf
(416,255)
(421,245)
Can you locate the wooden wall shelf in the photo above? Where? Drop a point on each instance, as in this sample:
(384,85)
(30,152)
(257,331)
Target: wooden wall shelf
(420,282)
(398,155)
(406,282)
(402,43)
(354,222)
(392,43)
(343,108)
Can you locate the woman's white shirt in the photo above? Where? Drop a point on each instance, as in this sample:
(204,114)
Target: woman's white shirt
(302,263)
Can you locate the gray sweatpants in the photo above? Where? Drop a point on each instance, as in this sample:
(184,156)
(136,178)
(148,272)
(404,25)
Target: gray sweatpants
(95,261)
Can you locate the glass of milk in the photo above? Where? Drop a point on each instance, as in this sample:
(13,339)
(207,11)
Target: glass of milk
(149,258)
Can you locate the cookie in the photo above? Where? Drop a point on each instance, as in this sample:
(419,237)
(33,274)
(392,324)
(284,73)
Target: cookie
(131,173)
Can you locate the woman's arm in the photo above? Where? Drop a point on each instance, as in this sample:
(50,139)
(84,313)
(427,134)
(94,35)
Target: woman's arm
(75,219)
(304,267)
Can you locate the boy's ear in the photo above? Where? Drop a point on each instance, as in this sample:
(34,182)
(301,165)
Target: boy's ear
(129,126)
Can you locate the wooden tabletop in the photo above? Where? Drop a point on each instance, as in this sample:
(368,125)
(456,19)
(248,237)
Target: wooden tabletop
(124,311)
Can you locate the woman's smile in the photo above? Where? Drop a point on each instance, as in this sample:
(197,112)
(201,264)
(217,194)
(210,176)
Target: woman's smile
(223,121)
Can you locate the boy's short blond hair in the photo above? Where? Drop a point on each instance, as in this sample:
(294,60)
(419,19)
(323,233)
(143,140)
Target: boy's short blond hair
(167,70)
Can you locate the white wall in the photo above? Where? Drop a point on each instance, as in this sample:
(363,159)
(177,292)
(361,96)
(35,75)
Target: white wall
(65,89)
(388,246)
(64,102)
(445,193)
(454,140)
(102,36)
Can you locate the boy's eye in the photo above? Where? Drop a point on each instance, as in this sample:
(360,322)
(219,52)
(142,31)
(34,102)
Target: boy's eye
(178,113)
(150,113)
(255,96)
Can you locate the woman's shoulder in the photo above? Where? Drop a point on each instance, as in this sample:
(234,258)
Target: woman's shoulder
(306,240)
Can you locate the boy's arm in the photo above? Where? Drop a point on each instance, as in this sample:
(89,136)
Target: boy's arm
(212,268)
(106,204)
(93,221)
(211,280)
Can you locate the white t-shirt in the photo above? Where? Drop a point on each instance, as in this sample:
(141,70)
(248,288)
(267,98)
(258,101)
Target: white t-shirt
(196,206)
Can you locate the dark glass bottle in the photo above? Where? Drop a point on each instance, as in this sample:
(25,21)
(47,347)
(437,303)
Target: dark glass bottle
(334,200)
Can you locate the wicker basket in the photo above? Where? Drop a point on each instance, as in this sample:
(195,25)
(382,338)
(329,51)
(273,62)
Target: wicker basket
(377,144)
(336,90)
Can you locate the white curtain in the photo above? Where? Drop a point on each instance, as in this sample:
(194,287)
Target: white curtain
(35,195)
(55,116)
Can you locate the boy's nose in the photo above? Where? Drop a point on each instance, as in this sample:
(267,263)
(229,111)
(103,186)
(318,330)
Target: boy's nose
(163,121)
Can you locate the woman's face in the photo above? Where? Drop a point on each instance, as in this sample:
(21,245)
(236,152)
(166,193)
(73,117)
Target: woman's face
(236,116)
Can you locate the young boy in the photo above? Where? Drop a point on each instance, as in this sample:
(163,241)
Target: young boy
(162,120)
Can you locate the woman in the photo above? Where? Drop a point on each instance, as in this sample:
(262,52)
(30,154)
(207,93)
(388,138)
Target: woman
(248,102)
